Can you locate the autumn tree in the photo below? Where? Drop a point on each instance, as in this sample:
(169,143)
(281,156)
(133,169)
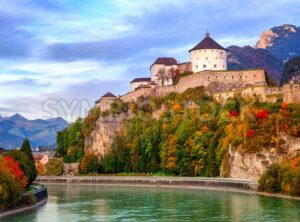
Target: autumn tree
(89,164)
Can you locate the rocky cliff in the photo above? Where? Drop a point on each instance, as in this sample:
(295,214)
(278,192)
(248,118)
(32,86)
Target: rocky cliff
(282,41)
(251,166)
(101,138)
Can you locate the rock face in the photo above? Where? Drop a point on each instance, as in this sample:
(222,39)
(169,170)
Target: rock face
(101,138)
(251,166)
(282,41)
(248,57)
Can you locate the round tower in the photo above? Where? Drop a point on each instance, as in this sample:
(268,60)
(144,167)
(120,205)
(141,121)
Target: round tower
(208,55)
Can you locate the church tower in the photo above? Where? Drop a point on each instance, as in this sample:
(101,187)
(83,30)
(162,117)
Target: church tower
(208,55)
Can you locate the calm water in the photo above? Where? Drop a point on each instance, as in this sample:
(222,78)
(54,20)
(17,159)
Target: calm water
(68,203)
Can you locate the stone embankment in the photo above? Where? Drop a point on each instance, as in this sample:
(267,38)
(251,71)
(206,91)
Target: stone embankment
(36,198)
(195,182)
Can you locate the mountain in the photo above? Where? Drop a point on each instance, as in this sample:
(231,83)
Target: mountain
(248,57)
(282,41)
(40,132)
(291,71)
(274,48)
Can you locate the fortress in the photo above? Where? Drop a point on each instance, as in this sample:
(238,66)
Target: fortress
(208,68)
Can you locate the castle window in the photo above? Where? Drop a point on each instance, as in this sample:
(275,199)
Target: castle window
(215,66)
(204,66)
(254,76)
(223,66)
(216,57)
(196,66)
(204,50)
(206,58)
(212,50)
(232,77)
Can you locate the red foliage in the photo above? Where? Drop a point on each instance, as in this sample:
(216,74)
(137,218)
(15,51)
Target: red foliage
(13,167)
(262,114)
(284,105)
(233,113)
(250,133)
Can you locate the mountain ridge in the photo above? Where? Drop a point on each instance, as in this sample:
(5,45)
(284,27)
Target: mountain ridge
(40,132)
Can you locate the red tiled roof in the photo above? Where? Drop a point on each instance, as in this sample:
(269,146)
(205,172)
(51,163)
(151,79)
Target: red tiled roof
(207,43)
(168,61)
(141,80)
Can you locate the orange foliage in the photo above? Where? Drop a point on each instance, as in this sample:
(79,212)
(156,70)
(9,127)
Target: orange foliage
(171,152)
(177,108)
(295,163)
(41,169)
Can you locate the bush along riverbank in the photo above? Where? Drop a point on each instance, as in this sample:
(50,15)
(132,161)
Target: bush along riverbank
(282,178)
(17,173)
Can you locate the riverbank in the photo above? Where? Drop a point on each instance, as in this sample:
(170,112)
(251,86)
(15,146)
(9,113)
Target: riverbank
(191,182)
(30,200)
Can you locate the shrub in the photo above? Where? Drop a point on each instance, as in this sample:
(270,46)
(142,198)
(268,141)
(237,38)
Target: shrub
(270,181)
(55,167)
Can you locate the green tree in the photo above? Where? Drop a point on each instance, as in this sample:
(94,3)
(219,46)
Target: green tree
(55,167)
(26,149)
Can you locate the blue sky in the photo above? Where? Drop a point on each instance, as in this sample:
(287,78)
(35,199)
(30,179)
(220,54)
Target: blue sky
(67,50)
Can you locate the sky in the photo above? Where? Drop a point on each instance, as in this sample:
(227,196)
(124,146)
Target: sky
(57,57)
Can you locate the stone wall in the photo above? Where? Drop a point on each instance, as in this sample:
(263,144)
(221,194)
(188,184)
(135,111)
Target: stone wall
(185,67)
(215,81)
(291,93)
(133,96)
(263,93)
(105,103)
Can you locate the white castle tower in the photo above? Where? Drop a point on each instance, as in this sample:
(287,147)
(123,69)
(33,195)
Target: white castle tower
(208,55)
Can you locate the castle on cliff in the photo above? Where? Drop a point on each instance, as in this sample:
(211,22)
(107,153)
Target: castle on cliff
(207,67)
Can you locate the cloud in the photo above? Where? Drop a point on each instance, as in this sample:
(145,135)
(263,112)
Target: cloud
(81,49)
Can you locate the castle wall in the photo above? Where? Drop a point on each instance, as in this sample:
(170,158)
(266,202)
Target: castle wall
(134,85)
(185,67)
(242,78)
(105,103)
(208,59)
(291,93)
(133,96)
(263,93)
(239,79)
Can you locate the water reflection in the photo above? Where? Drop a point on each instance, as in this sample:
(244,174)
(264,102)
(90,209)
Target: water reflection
(102,203)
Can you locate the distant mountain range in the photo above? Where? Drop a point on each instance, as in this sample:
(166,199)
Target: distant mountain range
(274,47)
(40,132)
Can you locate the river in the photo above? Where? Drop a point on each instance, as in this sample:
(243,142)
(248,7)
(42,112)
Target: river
(68,203)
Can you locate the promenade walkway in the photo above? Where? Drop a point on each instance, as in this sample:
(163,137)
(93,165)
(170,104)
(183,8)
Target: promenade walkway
(197,182)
